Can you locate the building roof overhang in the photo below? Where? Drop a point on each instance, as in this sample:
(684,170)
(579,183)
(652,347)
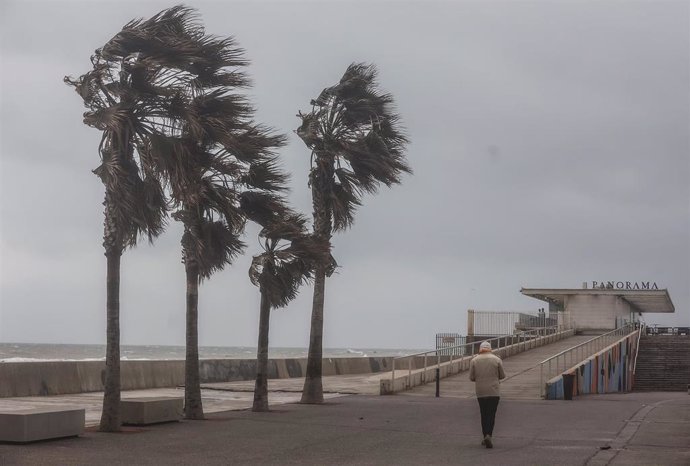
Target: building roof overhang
(639,300)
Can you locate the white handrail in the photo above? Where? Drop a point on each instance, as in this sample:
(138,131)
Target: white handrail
(643,328)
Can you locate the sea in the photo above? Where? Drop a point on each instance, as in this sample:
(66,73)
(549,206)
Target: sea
(26,352)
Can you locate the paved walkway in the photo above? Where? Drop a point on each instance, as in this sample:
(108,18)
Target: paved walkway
(522,374)
(216,397)
(616,430)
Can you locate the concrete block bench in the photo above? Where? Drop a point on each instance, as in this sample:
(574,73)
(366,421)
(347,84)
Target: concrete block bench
(30,425)
(142,411)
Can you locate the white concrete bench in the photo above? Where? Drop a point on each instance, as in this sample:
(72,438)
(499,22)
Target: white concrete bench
(142,411)
(30,425)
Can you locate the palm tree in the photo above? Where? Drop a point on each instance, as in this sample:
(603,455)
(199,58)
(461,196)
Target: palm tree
(221,170)
(356,144)
(214,209)
(126,101)
(145,93)
(287,262)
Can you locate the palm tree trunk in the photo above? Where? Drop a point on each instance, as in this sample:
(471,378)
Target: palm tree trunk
(110,416)
(261,385)
(318,178)
(193,408)
(313,386)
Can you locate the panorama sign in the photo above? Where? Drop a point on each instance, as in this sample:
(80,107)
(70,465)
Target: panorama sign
(625,285)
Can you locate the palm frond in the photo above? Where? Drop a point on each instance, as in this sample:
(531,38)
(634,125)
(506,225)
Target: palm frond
(356,140)
(162,92)
(262,208)
(211,245)
(137,206)
(266,175)
(288,226)
(289,260)
(342,204)
(308,131)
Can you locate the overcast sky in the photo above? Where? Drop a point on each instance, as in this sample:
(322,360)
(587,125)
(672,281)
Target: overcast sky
(550,145)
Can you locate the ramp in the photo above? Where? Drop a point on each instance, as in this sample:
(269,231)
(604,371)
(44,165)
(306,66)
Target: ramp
(522,374)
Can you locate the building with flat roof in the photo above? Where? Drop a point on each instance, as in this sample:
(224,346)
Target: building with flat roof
(605,305)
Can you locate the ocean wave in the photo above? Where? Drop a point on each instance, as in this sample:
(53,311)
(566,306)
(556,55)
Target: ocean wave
(48,359)
(56,352)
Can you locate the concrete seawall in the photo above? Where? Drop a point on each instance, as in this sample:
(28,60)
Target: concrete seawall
(65,377)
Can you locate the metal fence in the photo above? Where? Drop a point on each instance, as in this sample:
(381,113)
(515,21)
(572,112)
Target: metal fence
(494,323)
(656,330)
(450,344)
(559,363)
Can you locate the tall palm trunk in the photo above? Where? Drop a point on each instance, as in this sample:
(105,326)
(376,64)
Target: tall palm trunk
(110,415)
(261,385)
(313,385)
(193,408)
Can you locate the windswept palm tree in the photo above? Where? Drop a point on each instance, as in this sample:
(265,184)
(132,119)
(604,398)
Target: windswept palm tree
(158,91)
(215,197)
(356,144)
(288,261)
(221,170)
(129,96)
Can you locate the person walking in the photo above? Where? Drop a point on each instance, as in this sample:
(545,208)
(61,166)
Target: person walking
(486,371)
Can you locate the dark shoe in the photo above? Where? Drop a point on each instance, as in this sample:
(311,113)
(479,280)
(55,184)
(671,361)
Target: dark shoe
(484,441)
(487,442)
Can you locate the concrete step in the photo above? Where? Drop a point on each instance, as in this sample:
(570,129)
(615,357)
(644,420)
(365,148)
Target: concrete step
(663,363)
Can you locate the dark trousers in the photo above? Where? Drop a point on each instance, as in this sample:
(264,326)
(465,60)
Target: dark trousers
(487,408)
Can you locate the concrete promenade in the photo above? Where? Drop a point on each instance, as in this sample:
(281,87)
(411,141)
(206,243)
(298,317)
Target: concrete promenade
(626,429)
(217,397)
(224,396)
(355,426)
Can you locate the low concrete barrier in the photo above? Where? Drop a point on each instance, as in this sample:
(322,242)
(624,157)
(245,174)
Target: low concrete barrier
(42,378)
(152,410)
(31,425)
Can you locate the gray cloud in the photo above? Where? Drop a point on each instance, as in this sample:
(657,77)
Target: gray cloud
(550,146)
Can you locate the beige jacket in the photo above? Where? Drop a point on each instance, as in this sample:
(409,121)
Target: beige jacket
(486,369)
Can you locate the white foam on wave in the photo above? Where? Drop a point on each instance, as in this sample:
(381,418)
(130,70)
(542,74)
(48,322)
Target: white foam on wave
(122,358)
(47,359)
(359,353)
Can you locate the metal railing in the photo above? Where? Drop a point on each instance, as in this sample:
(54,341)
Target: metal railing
(559,363)
(446,341)
(495,323)
(524,341)
(642,329)
(656,330)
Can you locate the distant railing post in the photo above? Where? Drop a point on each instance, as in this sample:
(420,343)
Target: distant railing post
(438,382)
(409,372)
(393,376)
(541,379)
